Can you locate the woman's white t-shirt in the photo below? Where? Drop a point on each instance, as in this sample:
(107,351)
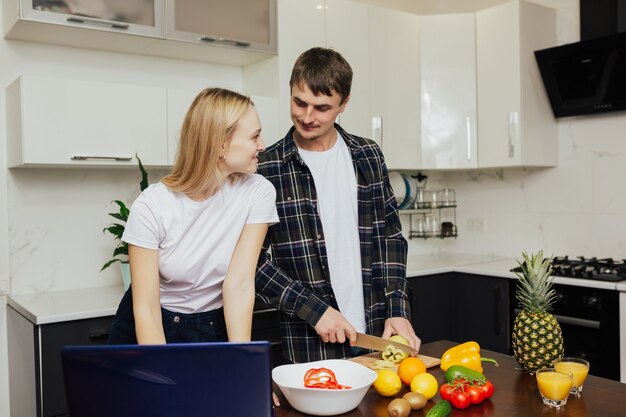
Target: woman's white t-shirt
(196,240)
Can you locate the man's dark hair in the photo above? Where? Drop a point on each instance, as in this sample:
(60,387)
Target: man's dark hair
(323,71)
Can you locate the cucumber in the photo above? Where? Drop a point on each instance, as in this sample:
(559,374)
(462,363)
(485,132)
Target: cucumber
(460,371)
(441,409)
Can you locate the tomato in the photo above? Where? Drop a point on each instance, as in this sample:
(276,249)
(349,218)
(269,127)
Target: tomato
(487,389)
(460,400)
(446,391)
(476,395)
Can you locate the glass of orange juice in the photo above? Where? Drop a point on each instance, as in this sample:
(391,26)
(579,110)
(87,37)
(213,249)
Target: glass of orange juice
(554,386)
(578,367)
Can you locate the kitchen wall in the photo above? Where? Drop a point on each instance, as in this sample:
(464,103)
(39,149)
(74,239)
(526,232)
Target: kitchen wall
(576,208)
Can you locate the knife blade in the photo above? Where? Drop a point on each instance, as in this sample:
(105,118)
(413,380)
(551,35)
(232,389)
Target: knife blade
(378,343)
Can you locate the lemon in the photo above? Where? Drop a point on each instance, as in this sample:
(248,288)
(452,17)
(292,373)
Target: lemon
(387,383)
(425,384)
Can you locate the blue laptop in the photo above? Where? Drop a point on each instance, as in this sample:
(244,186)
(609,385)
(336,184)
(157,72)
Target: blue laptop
(190,380)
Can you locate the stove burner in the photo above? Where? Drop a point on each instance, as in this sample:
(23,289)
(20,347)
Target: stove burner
(605,269)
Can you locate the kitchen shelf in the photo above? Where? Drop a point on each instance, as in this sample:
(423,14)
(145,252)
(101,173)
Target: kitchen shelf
(423,212)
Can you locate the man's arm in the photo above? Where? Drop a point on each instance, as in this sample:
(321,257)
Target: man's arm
(275,288)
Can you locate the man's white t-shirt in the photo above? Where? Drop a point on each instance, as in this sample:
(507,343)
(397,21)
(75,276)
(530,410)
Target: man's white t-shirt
(335,182)
(196,240)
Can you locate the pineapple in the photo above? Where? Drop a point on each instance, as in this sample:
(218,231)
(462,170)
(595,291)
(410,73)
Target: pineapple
(537,338)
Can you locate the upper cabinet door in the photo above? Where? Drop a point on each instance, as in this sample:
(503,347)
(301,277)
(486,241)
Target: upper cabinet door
(516,124)
(137,17)
(60,122)
(448,91)
(245,24)
(301,26)
(347,32)
(395,86)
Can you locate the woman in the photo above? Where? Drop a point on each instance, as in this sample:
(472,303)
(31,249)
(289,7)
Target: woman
(195,237)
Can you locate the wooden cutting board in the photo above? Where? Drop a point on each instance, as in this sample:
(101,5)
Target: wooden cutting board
(368,360)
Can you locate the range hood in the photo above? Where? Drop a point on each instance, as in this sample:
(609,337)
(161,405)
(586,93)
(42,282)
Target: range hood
(589,76)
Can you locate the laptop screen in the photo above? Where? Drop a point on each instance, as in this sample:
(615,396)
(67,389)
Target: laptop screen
(187,379)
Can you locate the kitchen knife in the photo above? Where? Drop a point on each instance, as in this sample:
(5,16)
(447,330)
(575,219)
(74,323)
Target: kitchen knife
(378,343)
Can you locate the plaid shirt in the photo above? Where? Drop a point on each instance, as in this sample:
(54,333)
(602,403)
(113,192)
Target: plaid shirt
(295,277)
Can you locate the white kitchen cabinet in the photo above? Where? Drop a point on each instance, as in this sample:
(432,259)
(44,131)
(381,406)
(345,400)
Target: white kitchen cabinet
(61,122)
(395,86)
(448,91)
(235,32)
(245,24)
(515,122)
(347,32)
(178,102)
(338,24)
(125,26)
(301,25)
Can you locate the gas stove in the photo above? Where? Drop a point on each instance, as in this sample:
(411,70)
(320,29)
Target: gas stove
(605,269)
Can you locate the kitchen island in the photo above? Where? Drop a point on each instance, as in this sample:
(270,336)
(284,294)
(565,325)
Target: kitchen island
(516,394)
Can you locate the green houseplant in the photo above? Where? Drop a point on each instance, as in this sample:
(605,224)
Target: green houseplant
(120,253)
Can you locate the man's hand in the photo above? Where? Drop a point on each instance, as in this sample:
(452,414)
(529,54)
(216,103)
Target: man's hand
(333,327)
(401,326)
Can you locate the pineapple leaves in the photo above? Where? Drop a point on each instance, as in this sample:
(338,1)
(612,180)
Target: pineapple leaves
(534,288)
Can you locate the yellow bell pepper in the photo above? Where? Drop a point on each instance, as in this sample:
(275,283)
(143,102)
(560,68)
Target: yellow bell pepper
(466,354)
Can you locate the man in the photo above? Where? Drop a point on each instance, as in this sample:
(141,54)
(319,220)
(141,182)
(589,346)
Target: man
(338,258)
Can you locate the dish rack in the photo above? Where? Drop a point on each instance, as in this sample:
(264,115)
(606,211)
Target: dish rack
(426,222)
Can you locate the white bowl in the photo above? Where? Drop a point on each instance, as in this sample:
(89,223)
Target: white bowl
(319,401)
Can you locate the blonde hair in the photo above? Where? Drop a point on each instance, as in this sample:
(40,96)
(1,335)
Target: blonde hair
(209,123)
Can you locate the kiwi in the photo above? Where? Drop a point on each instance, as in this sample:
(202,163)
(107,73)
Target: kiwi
(399,408)
(416,400)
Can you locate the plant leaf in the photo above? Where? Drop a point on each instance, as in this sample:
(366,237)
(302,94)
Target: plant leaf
(108,264)
(124,211)
(144,175)
(121,250)
(115,229)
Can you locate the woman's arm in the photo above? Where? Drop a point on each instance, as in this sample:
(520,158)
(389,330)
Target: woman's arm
(144,269)
(238,288)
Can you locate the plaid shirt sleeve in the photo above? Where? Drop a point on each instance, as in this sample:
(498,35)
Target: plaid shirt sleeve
(276,288)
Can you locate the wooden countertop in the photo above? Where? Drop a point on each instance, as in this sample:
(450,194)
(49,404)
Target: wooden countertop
(516,394)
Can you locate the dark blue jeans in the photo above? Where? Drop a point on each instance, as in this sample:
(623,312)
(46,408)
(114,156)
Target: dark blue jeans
(208,326)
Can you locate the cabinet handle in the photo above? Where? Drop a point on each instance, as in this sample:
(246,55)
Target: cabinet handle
(108,158)
(98,335)
(233,42)
(496,313)
(114,25)
(513,132)
(377,130)
(468,126)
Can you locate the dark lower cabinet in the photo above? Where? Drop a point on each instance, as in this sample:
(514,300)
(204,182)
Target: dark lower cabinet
(36,385)
(266,326)
(461,307)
